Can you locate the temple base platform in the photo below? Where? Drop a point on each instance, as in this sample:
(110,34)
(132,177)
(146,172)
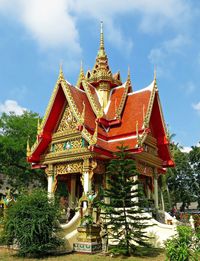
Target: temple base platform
(88,247)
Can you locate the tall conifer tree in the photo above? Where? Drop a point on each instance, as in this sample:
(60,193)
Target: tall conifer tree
(122,214)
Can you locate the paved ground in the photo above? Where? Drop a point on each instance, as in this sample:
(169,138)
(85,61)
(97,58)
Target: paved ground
(9,255)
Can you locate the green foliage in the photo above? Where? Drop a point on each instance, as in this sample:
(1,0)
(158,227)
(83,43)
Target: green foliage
(194,157)
(32,223)
(14,132)
(181,181)
(87,220)
(182,247)
(122,214)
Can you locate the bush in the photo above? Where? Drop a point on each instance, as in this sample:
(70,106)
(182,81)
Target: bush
(31,223)
(183,246)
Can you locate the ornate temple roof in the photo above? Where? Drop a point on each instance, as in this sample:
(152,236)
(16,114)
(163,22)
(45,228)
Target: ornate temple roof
(124,116)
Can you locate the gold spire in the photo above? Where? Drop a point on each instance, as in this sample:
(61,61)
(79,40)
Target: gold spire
(28,150)
(101,51)
(101,70)
(81,76)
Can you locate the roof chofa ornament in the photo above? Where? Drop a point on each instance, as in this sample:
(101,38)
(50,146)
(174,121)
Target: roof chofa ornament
(61,75)
(155,79)
(81,76)
(129,80)
(28,149)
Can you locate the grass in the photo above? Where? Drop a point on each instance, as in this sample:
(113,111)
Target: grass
(10,255)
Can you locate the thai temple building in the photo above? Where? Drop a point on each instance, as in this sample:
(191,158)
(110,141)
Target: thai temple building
(84,124)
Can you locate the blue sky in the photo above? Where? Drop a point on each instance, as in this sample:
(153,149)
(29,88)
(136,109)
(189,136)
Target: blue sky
(37,35)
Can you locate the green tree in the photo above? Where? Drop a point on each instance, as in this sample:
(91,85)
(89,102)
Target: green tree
(194,157)
(14,132)
(32,223)
(180,178)
(122,214)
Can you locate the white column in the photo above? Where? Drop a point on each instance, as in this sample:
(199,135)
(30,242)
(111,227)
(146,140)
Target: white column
(156,190)
(162,200)
(50,172)
(148,192)
(87,182)
(50,186)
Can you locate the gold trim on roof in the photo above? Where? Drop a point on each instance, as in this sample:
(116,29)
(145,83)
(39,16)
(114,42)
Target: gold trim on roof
(97,109)
(55,90)
(123,100)
(81,76)
(28,150)
(93,141)
(150,106)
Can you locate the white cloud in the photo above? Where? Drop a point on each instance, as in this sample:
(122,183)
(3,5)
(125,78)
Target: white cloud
(49,22)
(53,23)
(196,106)
(11,106)
(169,47)
(155,14)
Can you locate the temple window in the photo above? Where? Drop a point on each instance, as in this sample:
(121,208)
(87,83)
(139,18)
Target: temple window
(52,147)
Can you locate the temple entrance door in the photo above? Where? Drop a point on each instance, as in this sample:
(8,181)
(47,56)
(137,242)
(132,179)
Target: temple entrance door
(69,190)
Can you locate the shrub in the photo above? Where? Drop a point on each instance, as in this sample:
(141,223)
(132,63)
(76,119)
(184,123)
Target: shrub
(31,223)
(182,247)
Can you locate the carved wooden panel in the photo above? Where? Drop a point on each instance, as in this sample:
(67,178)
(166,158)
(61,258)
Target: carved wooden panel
(144,169)
(71,167)
(67,121)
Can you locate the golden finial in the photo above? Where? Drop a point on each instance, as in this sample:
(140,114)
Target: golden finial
(129,75)
(28,150)
(155,78)
(101,51)
(129,85)
(61,75)
(81,75)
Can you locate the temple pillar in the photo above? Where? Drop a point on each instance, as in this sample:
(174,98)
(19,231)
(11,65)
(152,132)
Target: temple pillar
(86,176)
(50,175)
(162,200)
(156,189)
(148,192)
(87,182)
